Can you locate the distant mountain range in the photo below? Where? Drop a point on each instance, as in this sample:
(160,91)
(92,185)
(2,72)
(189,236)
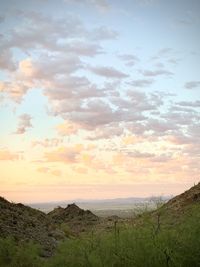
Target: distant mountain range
(101,204)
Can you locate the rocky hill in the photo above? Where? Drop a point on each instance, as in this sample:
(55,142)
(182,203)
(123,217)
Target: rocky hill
(24,223)
(189,197)
(180,207)
(77,219)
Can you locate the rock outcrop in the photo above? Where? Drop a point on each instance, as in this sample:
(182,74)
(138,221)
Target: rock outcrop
(77,219)
(27,224)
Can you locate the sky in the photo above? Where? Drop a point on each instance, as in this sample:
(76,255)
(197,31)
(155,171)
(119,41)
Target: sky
(98,98)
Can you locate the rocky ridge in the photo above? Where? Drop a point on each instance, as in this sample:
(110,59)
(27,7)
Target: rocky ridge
(24,223)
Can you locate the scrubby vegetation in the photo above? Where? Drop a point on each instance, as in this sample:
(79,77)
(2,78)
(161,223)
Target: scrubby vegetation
(23,255)
(152,240)
(166,237)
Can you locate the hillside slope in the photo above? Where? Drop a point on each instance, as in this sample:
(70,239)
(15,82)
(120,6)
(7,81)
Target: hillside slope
(24,224)
(27,224)
(182,201)
(179,208)
(77,219)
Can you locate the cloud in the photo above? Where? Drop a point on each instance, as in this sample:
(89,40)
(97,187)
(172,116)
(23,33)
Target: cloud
(189,18)
(130,60)
(66,35)
(49,66)
(14,89)
(45,35)
(24,124)
(58,43)
(85,49)
(103,116)
(192,104)
(139,154)
(75,88)
(94,113)
(2,18)
(48,142)
(80,170)
(43,169)
(165,158)
(7,155)
(67,128)
(101,5)
(179,139)
(80,158)
(141,82)
(49,171)
(56,173)
(64,154)
(180,118)
(146,2)
(27,69)
(6,60)
(162,53)
(108,72)
(143,102)
(104,33)
(159,126)
(106,132)
(192,84)
(159,72)
(132,139)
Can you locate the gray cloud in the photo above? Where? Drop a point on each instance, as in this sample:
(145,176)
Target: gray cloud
(130,60)
(160,126)
(24,124)
(193,104)
(141,82)
(164,52)
(158,72)
(104,33)
(138,154)
(48,142)
(192,84)
(2,18)
(146,2)
(83,48)
(6,60)
(181,118)
(108,72)
(74,88)
(101,5)
(105,111)
(59,44)
(106,132)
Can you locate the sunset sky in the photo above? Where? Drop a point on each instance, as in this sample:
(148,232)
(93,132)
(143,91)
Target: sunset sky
(98,98)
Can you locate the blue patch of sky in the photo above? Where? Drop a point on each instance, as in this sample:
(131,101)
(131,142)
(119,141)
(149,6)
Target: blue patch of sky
(35,104)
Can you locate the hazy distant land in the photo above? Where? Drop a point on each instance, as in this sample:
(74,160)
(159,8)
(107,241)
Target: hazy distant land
(122,207)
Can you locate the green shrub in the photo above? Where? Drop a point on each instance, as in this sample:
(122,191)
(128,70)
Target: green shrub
(14,255)
(152,242)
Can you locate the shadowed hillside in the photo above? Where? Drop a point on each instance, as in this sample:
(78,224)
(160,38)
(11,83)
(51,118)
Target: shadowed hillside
(24,224)
(169,232)
(77,219)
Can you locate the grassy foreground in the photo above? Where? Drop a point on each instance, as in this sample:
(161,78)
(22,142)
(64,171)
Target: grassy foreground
(155,241)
